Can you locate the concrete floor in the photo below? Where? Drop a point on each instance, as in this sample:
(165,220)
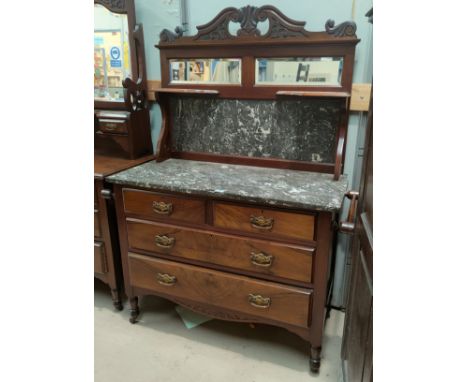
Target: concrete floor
(159,348)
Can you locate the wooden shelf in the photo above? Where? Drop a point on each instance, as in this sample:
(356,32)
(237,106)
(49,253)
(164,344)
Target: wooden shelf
(299,93)
(187,91)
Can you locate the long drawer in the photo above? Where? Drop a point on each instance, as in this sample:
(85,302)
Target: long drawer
(164,207)
(266,222)
(259,298)
(227,250)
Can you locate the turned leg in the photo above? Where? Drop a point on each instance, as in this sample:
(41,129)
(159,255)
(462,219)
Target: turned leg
(134,310)
(116,299)
(315,359)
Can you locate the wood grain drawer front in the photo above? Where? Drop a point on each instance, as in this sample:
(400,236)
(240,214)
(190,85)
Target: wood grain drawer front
(100,261)
(243,294)
(225,250)
(164,207)
(268,222)
(97,224)
(117,126)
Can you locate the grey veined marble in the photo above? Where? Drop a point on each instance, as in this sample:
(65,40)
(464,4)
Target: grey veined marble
(283,188)
(303,130)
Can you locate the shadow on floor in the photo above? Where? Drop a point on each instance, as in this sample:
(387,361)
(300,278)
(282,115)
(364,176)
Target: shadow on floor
(159,314)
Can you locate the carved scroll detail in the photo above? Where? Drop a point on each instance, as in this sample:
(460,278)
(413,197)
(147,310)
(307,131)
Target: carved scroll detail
(347,28)
(167,36)
(248,17)
(134,94)
(118,6)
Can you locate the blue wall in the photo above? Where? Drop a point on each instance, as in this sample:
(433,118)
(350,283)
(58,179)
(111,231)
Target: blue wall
(156,15)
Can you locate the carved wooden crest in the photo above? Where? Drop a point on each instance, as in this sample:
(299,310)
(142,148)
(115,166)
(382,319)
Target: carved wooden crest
(248,17)
(117,6)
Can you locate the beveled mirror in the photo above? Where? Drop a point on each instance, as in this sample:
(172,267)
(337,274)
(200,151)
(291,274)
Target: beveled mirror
(299,71)
(205,71)
(115,52)
(111,54)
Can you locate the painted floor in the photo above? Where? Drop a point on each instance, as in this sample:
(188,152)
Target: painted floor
(159,348)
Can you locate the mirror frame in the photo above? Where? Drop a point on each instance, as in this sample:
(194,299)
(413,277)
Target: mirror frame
(135,42)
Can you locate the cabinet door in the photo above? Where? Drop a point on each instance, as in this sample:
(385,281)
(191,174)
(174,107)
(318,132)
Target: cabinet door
(357,339)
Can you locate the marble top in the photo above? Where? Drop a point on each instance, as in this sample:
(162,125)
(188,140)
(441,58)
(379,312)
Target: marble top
(277,187)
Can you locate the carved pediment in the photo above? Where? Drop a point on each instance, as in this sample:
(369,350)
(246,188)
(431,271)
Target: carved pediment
(248,17)
(117,6)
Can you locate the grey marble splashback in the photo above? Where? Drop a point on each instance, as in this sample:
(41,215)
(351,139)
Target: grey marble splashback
(303,130)
(250,184)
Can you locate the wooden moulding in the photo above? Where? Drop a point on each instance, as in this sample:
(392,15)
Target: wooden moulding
(187,91)
(301,93)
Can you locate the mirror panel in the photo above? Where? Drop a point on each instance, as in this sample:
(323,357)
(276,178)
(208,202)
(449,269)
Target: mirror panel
(205,71)
(111,54)
(299,71)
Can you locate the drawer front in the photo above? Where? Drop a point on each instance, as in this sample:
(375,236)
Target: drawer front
(119,126)
(267,222)
(259,298)
(164,207)
(100,261)
(97,225)
(236,252)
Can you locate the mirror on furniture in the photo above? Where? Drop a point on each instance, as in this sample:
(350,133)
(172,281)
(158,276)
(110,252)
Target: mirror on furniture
(247,182)
(205,71)
(121,116)
(306,71)
(112,62)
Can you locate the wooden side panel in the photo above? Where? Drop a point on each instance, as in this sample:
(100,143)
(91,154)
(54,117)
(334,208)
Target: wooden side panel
(359,313)
(181,209)
(100,262)
(97,226)
(287,304)
(284,224)
(248,254)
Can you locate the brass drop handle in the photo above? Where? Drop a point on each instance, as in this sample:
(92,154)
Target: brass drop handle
(261,259)
(111,126)
(261,222)
(164,241)
(166,279)
(259,301)
(162,208)
(349,225)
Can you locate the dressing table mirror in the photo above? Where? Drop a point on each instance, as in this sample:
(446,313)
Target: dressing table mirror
(121,116)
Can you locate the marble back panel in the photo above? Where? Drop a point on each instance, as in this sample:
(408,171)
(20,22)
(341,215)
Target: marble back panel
(302,130)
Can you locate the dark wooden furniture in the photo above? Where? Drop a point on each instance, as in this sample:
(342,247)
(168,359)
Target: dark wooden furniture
(107,262)
(357,346)
(357,339)
(123,128)
(122,139)
(225,254)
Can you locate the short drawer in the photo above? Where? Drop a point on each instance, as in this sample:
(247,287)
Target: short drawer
(97,224)
(117,126)
(253,255)
(243,294)
(164,207)
(100,261)
(268,222)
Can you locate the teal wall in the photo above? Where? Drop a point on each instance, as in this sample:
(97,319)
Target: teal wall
(156,15)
